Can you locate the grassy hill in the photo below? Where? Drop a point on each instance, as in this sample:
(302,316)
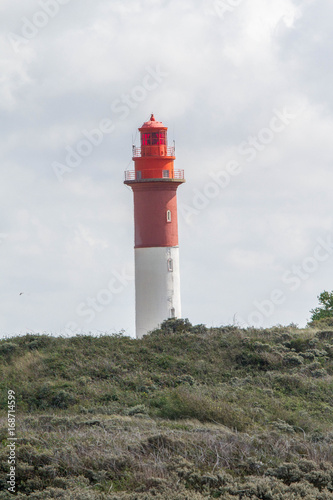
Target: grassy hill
(188,412)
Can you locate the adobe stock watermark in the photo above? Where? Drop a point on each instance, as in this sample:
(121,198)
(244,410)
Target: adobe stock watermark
(250,149)
(11,421)
(202,197)
(277,124)
(292,280)
(121,107)
(32,26)
(92,306)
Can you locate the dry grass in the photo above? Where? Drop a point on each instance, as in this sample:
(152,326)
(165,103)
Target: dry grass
(131,453)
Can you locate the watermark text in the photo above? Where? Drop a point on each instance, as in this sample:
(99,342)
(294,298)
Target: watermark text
(11,475)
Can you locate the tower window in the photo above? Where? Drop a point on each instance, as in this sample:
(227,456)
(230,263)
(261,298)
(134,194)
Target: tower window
(168,216)
(138,175)
(145,139)
(155,138)
(172,312)
(162,139)
(170,265)
(166,174)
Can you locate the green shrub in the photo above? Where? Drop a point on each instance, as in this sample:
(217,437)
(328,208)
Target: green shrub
(287,472)
(7,348)
(181,403)
(62,399)
(325,334)
(291,359)
(185,379)
(136,410)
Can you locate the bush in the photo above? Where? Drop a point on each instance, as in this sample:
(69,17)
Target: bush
(7,348)
(63,400)
(136,410)
(175,326)
(181,403)
(291,359)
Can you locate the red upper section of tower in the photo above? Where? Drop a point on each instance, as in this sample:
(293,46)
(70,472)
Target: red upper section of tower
(154,182)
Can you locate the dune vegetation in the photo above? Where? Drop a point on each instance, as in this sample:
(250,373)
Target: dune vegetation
(188,412)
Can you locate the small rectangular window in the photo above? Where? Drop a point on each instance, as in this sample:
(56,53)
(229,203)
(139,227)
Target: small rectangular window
(168,216)
(138,175)
(170,265)
(172,312)
(166,174)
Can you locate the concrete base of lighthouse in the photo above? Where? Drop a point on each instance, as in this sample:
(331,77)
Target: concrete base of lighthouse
(157,287)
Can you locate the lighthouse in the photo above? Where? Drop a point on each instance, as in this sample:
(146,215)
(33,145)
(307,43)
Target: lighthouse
(154,182)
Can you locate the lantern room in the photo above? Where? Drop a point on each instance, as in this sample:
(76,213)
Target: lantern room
(154,159)
(154,140)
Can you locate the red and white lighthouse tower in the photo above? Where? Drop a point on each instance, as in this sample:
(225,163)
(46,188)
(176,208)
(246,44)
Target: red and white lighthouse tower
(154,183)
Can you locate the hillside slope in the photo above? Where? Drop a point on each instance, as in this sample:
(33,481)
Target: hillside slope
(188,412)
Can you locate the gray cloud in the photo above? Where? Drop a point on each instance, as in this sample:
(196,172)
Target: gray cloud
(224,78)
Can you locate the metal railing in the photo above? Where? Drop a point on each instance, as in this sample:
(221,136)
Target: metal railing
(132,175)
(178,174)
(153,151)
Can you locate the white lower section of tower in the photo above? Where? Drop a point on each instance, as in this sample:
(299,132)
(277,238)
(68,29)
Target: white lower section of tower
(157,287)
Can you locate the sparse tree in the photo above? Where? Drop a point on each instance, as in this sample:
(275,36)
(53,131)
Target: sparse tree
(325,308)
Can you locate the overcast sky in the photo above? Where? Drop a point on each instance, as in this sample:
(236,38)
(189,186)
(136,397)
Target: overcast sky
(245,87)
